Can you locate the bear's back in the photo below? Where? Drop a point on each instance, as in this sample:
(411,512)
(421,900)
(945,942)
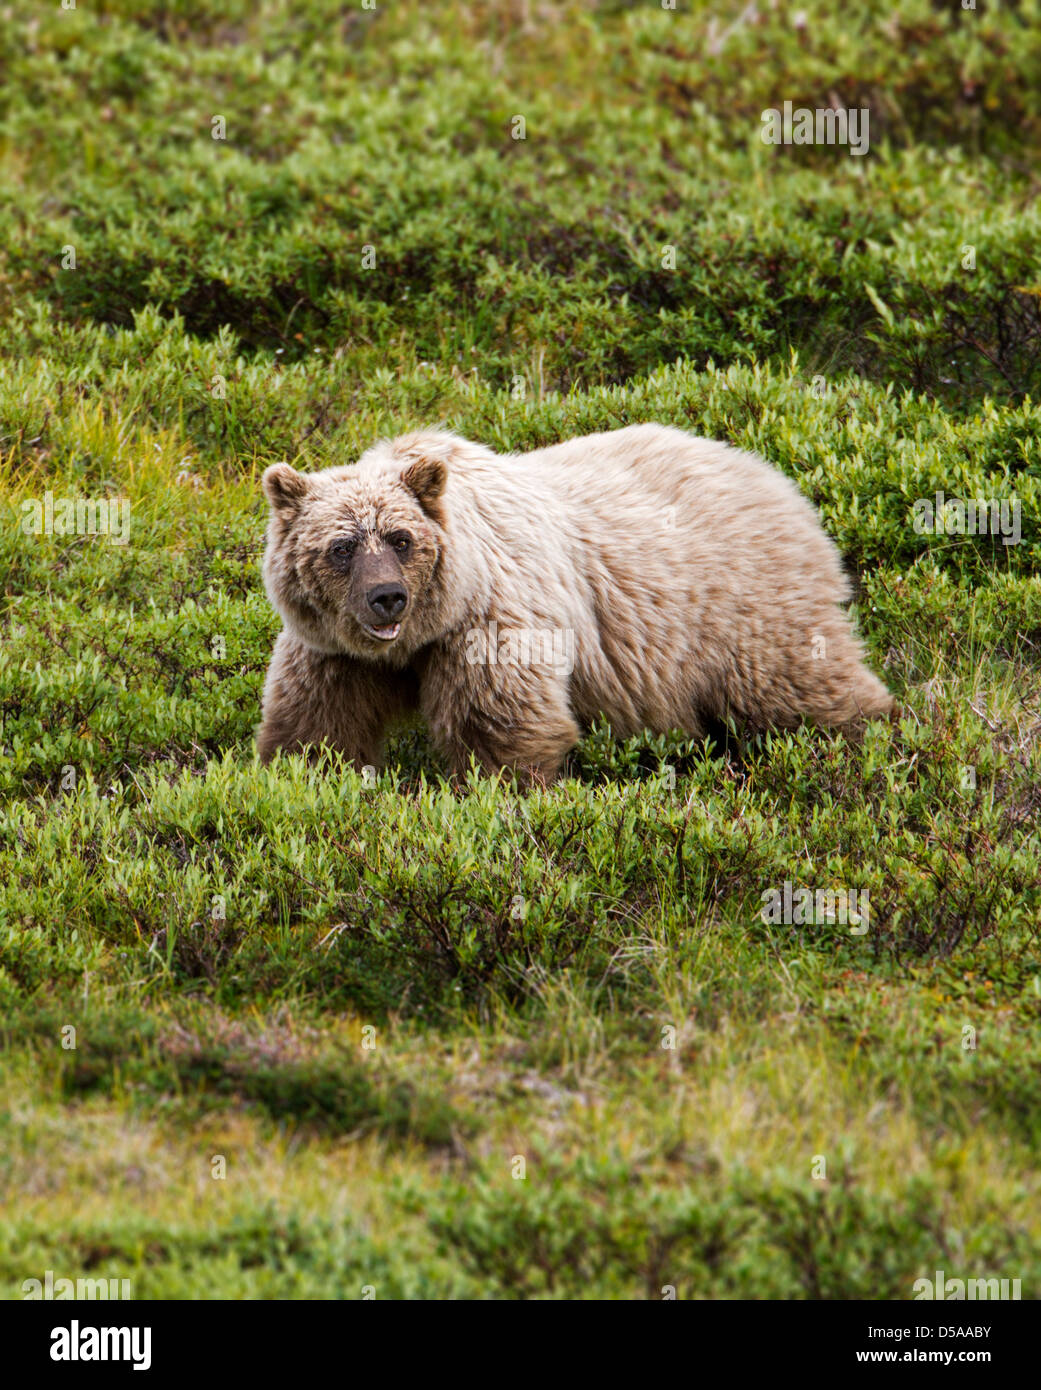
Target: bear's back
(670,540)
(651,488)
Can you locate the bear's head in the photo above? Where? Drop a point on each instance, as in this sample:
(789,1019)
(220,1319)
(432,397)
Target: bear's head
(353,553)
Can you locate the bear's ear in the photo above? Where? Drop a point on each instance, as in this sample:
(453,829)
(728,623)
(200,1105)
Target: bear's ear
(426,479)
(284,487)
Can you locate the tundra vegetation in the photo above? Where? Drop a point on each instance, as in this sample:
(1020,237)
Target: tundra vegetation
(267,1033)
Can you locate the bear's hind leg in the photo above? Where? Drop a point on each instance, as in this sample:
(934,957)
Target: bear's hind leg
(870,700)
(846,693)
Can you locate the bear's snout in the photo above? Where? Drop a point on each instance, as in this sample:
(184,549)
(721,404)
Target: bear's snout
(387,601)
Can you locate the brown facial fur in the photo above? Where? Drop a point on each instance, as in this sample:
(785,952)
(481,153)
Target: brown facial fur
(333,541)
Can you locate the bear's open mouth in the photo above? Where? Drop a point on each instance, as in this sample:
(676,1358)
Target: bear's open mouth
(386,633)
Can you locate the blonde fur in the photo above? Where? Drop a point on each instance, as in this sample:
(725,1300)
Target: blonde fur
(689,580)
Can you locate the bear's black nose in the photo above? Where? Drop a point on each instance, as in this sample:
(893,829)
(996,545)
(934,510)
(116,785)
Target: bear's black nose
(386,600)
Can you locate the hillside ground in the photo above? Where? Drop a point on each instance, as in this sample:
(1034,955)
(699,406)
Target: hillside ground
(331,1037)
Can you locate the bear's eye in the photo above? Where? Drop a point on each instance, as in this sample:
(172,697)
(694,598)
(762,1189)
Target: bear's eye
(342,549)
(401,541)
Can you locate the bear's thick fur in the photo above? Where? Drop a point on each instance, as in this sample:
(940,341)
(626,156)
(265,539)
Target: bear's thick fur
(659,580)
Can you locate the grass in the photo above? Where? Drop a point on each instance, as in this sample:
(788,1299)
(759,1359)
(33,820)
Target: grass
(461,1042)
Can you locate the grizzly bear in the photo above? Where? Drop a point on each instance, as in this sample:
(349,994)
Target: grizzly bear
(655,579)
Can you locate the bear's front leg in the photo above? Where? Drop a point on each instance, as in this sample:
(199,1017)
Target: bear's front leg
(507,716)
(311,698)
